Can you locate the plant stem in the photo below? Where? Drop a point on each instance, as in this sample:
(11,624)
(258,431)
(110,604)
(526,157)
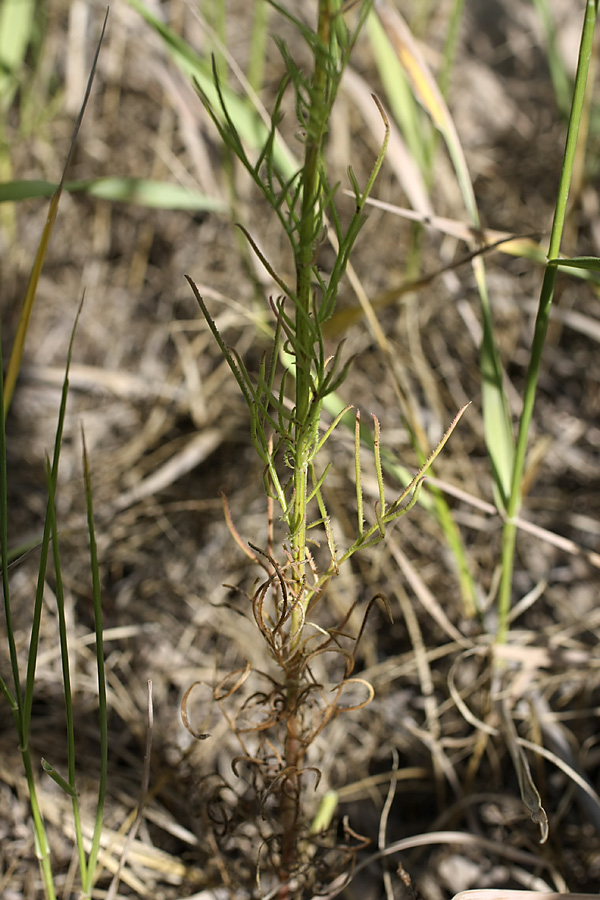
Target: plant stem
(309,224)
(306,334)
(41,842)
(541,322)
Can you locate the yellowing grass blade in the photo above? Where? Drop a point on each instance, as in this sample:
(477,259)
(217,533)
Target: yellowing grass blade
(400,95)
(497,421)
(16,355)
(428,94)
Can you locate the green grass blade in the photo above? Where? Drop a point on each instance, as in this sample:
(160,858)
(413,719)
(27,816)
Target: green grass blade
(15,700)
(577,262)
(139,191)
(34,637)
(68,786)
(450,45)
(400,98)
(543,315)
(497,422)
(44,549)
(58,779)
(102,708)
(16,355)
(258,45)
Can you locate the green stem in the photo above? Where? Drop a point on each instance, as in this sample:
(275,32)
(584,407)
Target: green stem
(307,334)
(542,318)
(308,228)
(41,842)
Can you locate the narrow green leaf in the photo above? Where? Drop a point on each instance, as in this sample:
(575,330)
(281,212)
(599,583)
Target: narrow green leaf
(14,363)
(102,707)
(577,262)
(138,191)
(60,781)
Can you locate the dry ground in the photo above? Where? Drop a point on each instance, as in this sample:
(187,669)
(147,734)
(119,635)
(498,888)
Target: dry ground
(167,431)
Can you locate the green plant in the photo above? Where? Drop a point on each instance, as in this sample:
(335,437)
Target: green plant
(289,433)
(517,461)
(20,695)
(295,400)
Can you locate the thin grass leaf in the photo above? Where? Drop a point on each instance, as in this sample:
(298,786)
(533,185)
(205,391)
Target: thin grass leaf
(36,619)
(139,191)
(258,44)
(59,780)
(427,92)
(14,363)
(497,422)
(543,316)
(69,787)
(17,554)
(44,547)
(18,702)
(450,45)
(102,708)
(576,262)
(15,700)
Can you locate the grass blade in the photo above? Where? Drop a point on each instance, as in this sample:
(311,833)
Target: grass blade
(102,707)
(14,363)
(140,191)
(497,422)
(543,316)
